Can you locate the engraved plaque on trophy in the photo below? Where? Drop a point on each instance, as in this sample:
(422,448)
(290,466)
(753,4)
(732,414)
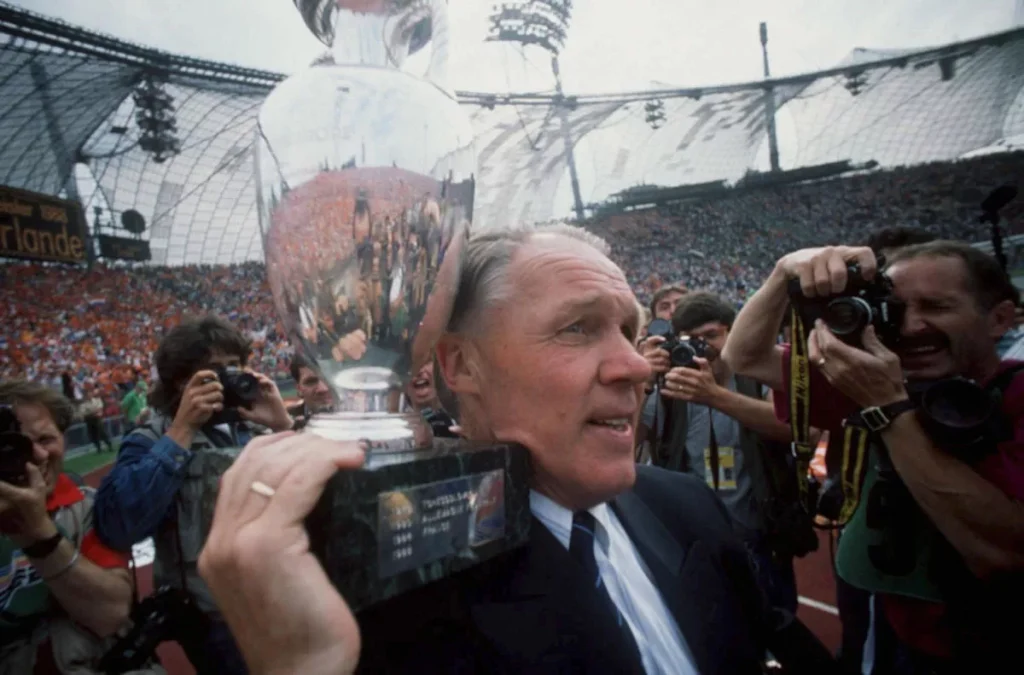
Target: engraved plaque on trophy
(365,168)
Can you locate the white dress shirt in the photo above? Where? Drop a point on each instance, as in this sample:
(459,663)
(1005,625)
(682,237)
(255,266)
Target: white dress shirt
(662,647)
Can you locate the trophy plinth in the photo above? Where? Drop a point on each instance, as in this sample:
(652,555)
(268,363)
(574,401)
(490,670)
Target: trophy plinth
(365,168)
(410,520)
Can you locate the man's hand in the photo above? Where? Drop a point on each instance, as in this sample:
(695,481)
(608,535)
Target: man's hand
(657,357)
(694,386)
(270,411)
(869,377)
(275,596)
(203,396)
(822,271)
(23,514)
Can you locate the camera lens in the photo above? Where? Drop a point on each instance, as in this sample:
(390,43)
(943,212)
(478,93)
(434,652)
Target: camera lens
(683,355)
(847,316)
(957,404)
(246,386)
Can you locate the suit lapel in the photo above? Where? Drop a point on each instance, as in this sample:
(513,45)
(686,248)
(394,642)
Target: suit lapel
(678,570)
(538,610)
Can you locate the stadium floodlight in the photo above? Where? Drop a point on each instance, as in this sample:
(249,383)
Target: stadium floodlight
(544,23)
(154,115)
(655,113)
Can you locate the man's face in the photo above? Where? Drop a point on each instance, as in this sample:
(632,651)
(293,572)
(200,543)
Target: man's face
(715,334)
(47,441)
(314,391)
(666,305)
(945,332)
(556,370)
(421,390)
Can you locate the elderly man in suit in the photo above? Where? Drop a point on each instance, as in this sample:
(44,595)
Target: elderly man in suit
(628,569)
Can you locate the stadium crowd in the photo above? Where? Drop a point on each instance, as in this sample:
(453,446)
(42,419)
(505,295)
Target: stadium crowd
(729,245)
(102,325)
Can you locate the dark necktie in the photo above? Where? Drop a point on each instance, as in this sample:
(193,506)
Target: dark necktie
(581,547)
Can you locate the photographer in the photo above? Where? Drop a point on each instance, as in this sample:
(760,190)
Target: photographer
(719,428)
(200,403)
(663,304)
(55,567)
(962,614)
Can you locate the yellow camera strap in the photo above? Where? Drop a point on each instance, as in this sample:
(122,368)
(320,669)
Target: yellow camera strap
(800,402)
(855,439)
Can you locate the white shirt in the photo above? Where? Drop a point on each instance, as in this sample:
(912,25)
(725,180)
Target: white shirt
(662,647)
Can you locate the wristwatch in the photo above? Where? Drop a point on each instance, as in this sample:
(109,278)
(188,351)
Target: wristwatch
(878,418)
(44,547)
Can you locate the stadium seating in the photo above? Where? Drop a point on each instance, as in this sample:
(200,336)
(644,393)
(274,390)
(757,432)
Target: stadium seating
(103,324)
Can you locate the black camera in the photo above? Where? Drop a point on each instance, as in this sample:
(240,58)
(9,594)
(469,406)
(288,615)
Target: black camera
(169,614)
(862,304)
(241,389)
(15,448)
(683,351)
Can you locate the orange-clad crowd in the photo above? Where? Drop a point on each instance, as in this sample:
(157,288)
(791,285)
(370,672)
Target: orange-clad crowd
(102,325)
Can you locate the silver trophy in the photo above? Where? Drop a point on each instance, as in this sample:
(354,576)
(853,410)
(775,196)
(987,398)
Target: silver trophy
(365,168)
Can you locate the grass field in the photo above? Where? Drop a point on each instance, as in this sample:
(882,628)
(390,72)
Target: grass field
(89,461)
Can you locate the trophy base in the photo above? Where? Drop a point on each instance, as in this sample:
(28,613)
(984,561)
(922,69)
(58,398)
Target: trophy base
(392,438)
(394,526)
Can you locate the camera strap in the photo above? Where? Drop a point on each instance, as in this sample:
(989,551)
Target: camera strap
(800,402)
(855,439)
(713,459)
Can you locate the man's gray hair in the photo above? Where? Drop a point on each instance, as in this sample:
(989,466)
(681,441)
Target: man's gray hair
(485,262)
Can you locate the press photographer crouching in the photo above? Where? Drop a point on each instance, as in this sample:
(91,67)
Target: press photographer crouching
(720,427)
(62,592)
(908,359)
(205,398)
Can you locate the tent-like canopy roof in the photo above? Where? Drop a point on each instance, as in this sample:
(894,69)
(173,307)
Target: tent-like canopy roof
(66,100)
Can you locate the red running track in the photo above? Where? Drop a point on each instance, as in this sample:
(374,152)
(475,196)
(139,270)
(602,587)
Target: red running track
(815,584)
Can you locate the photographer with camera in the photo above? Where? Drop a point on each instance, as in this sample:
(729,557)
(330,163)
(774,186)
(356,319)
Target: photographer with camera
(909,359)
(719,427)
(204,399)
(59,584)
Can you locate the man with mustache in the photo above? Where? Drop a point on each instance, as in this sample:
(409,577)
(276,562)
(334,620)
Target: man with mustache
(958,302)
(628,569)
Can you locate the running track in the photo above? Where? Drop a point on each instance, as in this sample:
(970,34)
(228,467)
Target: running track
(814,583)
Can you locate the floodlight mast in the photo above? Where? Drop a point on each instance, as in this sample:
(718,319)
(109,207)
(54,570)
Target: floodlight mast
(769,102)
(543,23)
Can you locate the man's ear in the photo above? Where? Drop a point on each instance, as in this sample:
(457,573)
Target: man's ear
(456,359)
(1001,318)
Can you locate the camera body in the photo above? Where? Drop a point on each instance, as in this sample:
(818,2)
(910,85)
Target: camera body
(683,351)
(15,448)
(168,614)
(862,304)
(241,389)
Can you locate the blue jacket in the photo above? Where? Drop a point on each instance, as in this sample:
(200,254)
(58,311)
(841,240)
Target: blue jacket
(139,493)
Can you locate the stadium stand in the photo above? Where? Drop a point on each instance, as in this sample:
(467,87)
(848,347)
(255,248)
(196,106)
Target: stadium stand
(103,324)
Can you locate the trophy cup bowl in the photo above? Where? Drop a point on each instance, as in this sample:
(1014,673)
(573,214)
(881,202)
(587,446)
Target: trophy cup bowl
(365,179)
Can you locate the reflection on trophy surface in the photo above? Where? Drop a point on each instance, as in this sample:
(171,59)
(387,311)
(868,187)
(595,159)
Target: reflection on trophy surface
(365,164)
(366,184)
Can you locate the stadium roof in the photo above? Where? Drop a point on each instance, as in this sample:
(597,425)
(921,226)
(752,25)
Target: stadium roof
(66,98)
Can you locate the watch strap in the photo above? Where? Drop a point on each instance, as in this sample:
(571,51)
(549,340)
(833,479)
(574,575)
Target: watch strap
(878,418)
(44,547)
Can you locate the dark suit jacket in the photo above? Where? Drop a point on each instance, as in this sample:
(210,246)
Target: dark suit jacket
(533,611)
